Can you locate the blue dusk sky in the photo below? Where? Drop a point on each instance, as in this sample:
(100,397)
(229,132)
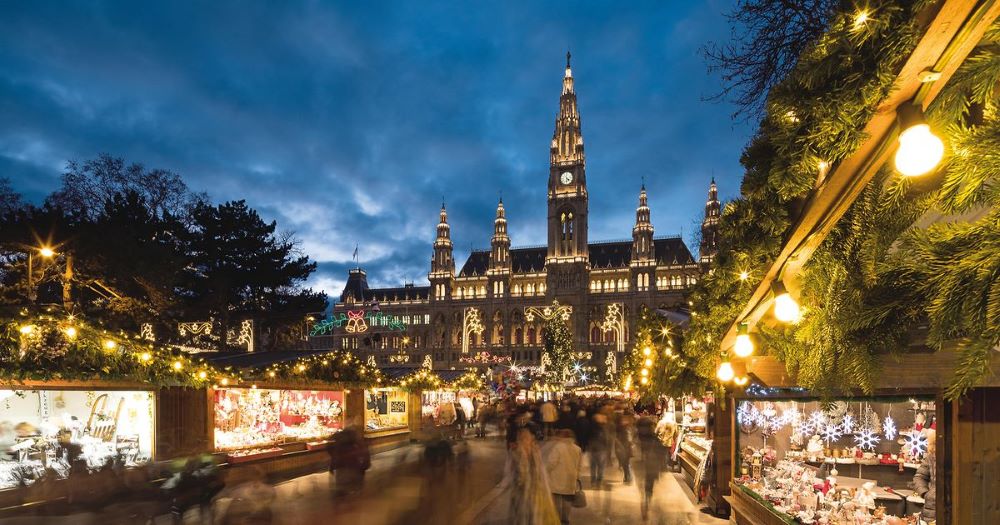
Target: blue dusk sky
(348,122)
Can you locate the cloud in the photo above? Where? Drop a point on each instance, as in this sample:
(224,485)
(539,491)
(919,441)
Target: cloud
(349,123)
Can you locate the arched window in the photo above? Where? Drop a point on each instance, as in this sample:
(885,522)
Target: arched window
(531,335)
(518,336)
(595,335)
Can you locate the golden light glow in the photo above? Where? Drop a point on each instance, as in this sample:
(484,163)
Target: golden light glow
(920,150)
(668,352)
(644,380)
(860,19)
(786,308)
(109,344)
(740,381)
(70,332)
(665,331)
(725,372)
(145,357)
(744,275)
(744,345)
(646,351)
(270,374)
(27,329)
(254,386)
(178,365)
(302,368)
(648,362)
(644,372)
(225,381)
(628,383)
(202,375)
(46,252)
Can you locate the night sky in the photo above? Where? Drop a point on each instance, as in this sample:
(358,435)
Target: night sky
(349,123)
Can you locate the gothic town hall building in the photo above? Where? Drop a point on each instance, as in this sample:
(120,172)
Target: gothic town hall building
(484,307)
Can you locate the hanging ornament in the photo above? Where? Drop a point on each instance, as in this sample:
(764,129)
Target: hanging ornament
(915,443)
(830,432)
(847,423)
(866,439)
(889,427)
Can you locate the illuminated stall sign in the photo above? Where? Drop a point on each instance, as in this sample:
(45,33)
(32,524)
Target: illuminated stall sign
(358,322)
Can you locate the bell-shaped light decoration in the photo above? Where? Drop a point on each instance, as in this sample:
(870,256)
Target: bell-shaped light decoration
(744,345)
(725,372)
(920,151)
(786,308)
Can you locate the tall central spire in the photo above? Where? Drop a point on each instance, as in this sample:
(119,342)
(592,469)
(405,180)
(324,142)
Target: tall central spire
(567,139)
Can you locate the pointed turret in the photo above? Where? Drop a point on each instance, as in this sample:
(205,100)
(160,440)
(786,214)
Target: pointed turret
(443,263)
(567,139)
(642,232)
(500,254)
(710,227)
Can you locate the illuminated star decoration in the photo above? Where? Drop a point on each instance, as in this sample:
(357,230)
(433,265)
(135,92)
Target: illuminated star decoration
(916,443)
(831,432)
(866,439)
(847,423)
(889,426)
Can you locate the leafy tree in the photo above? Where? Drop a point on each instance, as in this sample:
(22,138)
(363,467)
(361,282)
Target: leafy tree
(10,200)
(240,268)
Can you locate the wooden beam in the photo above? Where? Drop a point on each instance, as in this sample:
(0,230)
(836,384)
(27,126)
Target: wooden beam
(956,28)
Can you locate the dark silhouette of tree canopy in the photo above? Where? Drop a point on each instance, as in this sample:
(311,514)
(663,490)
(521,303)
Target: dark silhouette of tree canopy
(767,38)
(10,200)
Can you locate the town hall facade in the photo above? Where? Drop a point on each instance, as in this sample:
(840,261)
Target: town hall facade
(492,308)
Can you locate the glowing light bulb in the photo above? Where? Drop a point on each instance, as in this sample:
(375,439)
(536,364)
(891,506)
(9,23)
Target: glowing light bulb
(744,275)
(644,380)
(644,372)
(646,351)
(725,372)
(744,345)
(225,381)
(920,151)
(178,365)
(202,375)
(860,19)
(648,363)
(46,252)
(70,332)
(27,329)
(786,309)
(145,357)
(110,345)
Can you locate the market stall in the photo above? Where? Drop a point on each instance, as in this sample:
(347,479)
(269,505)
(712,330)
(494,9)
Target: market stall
(853,461)
(440,405)
(250,418)
(386,411)
(47,429)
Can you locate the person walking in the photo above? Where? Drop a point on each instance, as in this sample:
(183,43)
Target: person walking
(549,416)
(653,455)
(562,464)
(599,447)
(349,459)
(531,498)
(624,424)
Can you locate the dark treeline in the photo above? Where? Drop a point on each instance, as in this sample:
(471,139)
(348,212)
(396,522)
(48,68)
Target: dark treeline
(141,247)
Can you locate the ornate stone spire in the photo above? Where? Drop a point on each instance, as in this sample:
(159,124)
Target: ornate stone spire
(443,263)
(642,232)
(567,140)
(710,226)
(500,243)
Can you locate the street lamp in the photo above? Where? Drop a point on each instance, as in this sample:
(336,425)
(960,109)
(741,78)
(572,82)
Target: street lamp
(45,252)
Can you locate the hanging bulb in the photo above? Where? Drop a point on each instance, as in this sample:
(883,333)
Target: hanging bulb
(725,372)
(786,309)
(920,151)
(744,345)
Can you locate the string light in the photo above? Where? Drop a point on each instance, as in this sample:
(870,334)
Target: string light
(70,332)
(145,357)
(740,381)
(920,150)
(725,372)
(786,309)
(46,252)
(27,329)
(110,345)
(178,365)
(646,351)
(202,374)
(744,345)
(860,19)
(744,275)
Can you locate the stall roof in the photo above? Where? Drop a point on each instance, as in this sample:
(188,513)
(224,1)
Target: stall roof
(255,359)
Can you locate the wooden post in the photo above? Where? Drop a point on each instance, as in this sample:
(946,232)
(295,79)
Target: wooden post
(975,460)
(723,452)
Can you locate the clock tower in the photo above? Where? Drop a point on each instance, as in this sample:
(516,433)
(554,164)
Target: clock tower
(567,193)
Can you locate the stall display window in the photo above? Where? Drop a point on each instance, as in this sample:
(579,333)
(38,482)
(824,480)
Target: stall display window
(386,409)
(253,417)
(439,405)
(841,462)
(60,430)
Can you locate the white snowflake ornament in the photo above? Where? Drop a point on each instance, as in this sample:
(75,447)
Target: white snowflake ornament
(915,443)
(831,432)
(847,423)
(889,427)
(866,440)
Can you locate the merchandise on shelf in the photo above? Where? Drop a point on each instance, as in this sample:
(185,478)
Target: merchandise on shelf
(434,405)
(64,429)
(386,409)
(255,417)
(838,463)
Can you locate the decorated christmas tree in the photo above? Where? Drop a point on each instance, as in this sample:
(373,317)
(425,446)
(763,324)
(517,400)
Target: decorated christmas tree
(558,343)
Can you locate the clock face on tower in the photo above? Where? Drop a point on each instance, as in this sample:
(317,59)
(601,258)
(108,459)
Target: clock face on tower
(566,177)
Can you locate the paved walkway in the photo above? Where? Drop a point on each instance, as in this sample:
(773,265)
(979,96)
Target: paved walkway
(617,503)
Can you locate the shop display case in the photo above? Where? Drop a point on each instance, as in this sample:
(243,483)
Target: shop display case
(433,405)
(386,410)
(848,461)
(59,430)
(692,456)
(250,423)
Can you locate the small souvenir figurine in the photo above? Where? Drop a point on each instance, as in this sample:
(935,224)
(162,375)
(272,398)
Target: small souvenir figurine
(756,462)
(866,495)
(815,446)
